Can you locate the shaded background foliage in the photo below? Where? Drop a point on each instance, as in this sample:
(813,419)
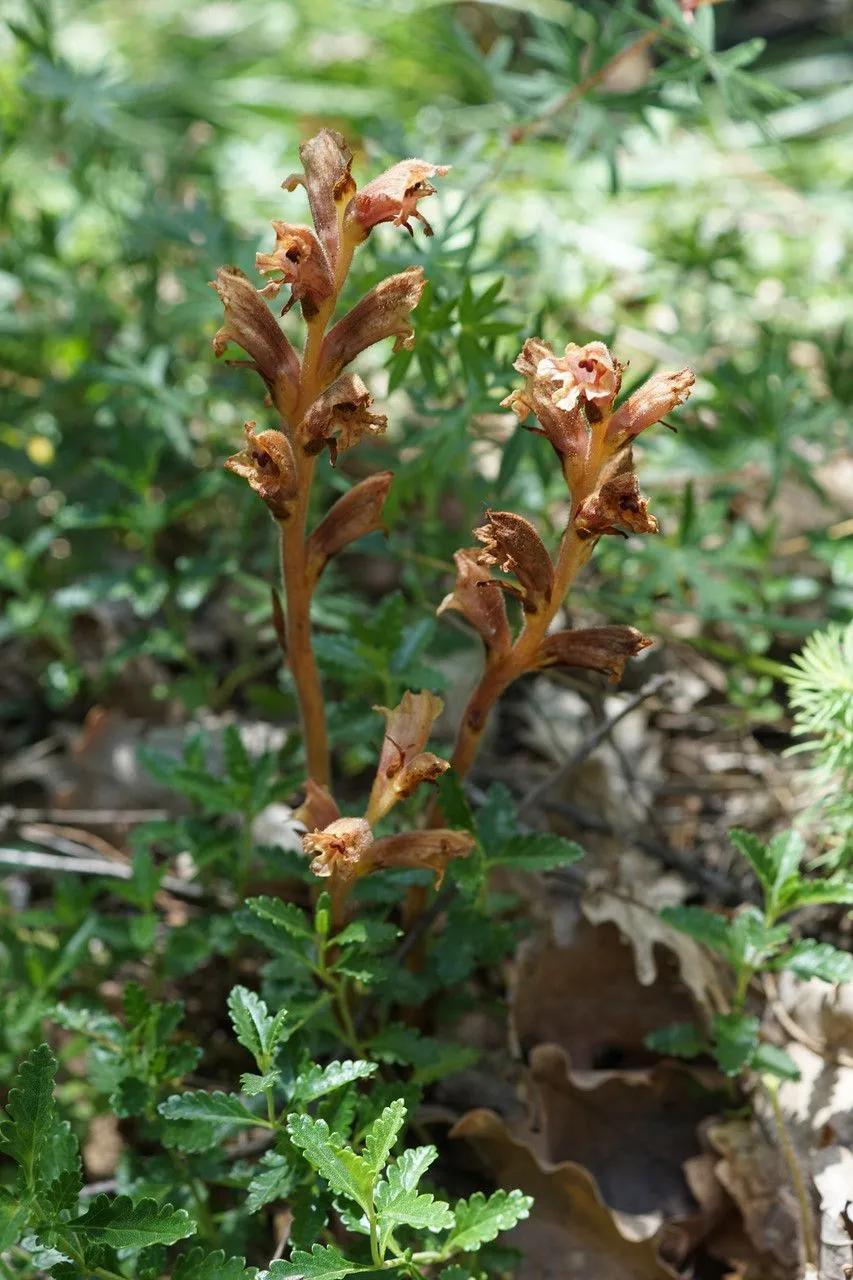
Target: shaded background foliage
(687,202)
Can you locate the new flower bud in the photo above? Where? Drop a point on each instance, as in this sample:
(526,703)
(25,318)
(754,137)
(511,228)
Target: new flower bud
(403,764)
(353,516)
(480,599)
(417,849)
(340,849)
(326,160)
(649,404)
(393,197)
(300,261)
(267,462)
(250,323)
(340,417)
(604,649)
(382,313)
(512,543)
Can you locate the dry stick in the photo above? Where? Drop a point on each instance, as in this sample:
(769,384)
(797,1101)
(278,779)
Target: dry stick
(25,860)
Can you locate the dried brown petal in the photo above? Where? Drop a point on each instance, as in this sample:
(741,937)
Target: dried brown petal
(382,313)
(403,764)
(589,375)
(340,849)
(479,598)
(326,160)
(432,849)
(617,506)
(353,516)
(512,543)
(604,649)
(340,417)
(301,262)
(318,809)
(565,429)
(267,462)
(649,404)
(393,197)
(250,323)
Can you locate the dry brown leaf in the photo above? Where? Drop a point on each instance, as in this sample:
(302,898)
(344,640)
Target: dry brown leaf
(822,1010)
(833,1177)
(585,997)
(571,1234)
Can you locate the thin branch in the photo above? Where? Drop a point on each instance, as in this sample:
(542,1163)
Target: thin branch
(25,860)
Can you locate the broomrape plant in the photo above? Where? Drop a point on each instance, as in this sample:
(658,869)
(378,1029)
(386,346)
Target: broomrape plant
(323,1131)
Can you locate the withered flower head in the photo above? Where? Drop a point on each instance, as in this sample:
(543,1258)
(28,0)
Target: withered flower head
(565,429)
(417,849)
(649,404)
(326,160)
(318,809)
(300,261)
(393,197)
(353,516)
(480,599)
(382,313)
(340,417)
(604,649)
(340,849)
(512,543)
(587,375)
(403,764)
(250,323)
(268,464)
(618,505)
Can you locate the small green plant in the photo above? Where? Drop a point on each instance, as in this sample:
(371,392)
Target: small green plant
(754,941)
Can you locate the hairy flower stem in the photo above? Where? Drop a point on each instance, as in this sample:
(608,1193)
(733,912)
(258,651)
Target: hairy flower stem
(499,674)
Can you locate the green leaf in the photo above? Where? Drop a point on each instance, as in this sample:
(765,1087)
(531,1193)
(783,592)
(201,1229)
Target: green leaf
(479,1220)
(317,1081)
(786,852)
(735,1040)
(207,1117)
(250,1019)
(124,1225)
(537,851)
(253,1085)
(703,926)
(809,893)
(768,1058)
(756,853)
(286,915)
(382,1134)
(346,1173)
(810,959)
(275,1181)
(200,1265)
(453,802)
(373,935)
(679,1039)
(411,1165)
(398,1202)
(30,1112)
(324,1262)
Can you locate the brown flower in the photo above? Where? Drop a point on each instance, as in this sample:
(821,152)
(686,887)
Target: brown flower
(250,323)
(403,764)
(393,197)
(512,543)
(480,599)
(649,404)
(318,809)
(340,417)
(618,505)
(267,462)
(588,376)
(300,261)
(382,313)
(604,649)
(356,514)
(339,850)
(417,849)
(565,429)
(326,160)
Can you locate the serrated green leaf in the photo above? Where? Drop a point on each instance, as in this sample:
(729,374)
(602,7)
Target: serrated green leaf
(286,915)
(701,925)
(317,1081)
(479,1220)
(411,1165)
(30,1112)
(813,893)
(735,1040)
(206,1117)
(398,1202)
(537,851)
(768,1058)
(755,852)
(373,935)
(14,1214)
(346,1173)
(197,1264)
(124,1225)
(679,1039)
(383,1133)
(250,1019)
(253,1085)
(810,959)
(324,1262)
(275,1181)
(453,802)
